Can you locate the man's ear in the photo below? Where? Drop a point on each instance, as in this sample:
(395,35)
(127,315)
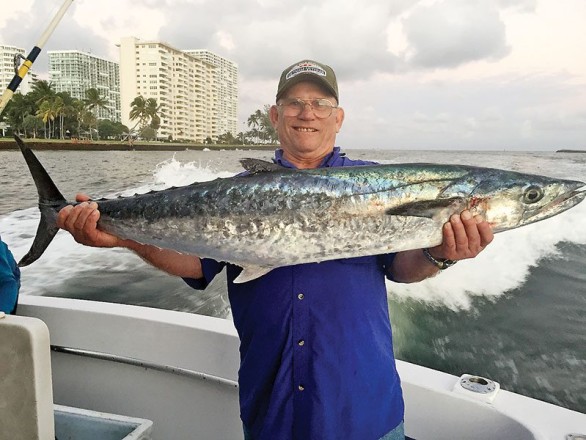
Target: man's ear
(274,115)
(339,119)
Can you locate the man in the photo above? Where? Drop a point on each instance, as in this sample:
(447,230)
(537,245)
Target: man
(316,345)
(9,280)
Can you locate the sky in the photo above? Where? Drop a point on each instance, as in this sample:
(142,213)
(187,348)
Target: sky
(413,74)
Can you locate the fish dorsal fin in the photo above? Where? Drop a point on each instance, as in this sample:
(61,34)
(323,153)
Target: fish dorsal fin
(250,273)
(255,166)
(429,208)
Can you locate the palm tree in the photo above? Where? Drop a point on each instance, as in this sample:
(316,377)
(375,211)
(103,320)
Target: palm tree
(254,122)
(42,91)
(78,110)
(262,127)
(266,126)
(138,110)
(46,114)
(94,102)
(57,106)
(146,112)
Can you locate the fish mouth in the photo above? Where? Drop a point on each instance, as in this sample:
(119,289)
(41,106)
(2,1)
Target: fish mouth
(568,199)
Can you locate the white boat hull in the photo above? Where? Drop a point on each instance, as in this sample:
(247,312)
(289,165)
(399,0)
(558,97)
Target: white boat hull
(180,371)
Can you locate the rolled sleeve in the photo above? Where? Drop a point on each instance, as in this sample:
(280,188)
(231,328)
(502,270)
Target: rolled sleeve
(386,260)
(210,269)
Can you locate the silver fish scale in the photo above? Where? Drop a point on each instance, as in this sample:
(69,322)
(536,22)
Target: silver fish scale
(273,220)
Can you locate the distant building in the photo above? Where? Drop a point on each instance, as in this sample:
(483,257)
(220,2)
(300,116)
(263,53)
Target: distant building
(226,84)
(7,54)
(75,72)
(189,89)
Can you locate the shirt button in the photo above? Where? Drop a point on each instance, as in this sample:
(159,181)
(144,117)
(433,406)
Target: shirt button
(301,387)
(301,296)
(301,343)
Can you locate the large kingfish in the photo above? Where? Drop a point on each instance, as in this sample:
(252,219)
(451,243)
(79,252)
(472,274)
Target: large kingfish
(275,216)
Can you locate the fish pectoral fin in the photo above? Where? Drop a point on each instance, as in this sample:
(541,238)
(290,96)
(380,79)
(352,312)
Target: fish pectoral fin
(250,273)
(255,166)
(429,208)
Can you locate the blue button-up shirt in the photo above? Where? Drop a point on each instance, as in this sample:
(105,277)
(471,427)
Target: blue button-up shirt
(316,346)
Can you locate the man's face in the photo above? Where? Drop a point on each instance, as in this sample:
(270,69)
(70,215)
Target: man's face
(305,135)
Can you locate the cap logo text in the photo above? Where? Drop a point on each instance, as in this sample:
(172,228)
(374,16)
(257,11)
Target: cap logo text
(305,68)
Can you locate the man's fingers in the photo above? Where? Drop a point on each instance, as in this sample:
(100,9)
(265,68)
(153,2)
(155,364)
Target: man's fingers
(485,231)
(63,215)
(82,197)
(86,210)
(472,236)
(460,235)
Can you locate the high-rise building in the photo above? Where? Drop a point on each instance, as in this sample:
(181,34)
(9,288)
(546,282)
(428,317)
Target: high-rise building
(186,87)
(7,63)
(75,72)
(226,84)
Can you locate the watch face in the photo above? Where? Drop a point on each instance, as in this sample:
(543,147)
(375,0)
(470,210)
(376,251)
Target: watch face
(448,263)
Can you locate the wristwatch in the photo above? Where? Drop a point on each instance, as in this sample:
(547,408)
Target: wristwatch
(440,263)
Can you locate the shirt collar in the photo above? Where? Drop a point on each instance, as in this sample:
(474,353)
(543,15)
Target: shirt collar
(329,161)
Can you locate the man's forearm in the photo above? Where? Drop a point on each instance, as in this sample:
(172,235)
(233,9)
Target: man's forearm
(170,261)
(412,266)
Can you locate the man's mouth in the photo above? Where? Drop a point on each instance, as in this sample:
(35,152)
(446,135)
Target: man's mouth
(305,129)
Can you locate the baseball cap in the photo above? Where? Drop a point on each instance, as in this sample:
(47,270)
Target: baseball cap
(308,70)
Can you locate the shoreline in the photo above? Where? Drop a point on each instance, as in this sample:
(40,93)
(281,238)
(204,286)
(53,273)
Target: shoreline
(69,145)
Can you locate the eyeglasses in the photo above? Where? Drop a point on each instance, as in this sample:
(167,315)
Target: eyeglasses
(322,108)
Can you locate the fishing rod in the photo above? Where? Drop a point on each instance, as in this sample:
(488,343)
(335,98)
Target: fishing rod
(32,56)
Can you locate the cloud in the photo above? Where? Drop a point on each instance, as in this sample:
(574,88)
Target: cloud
(454,32)
(24,29)
(271,35)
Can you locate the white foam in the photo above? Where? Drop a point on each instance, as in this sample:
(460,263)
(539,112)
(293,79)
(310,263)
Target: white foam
(65,259)
(504,265)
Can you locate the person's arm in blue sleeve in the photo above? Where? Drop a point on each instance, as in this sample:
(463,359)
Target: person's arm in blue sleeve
(210,268)
(9,280)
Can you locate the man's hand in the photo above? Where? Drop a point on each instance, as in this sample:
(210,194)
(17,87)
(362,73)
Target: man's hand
(81,221)
(464,236)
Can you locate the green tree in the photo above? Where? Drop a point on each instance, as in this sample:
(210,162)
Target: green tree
(111,130)
(262,130)
(78,110)
(57,107)
(42,90)
(227,139)
(32,125)
(146,113)
(94,102)
(17,110)
(46,113)
(148,133)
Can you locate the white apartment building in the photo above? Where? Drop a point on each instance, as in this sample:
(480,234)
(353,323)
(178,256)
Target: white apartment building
(187,88)
(75,72)
(226,83)
(7,54)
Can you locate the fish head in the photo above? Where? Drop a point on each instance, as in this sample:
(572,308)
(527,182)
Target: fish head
(509,200)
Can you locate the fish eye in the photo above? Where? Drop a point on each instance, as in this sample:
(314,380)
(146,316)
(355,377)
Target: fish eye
(532,194)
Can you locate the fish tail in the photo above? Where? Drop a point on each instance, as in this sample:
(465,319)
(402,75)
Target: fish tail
(50,202)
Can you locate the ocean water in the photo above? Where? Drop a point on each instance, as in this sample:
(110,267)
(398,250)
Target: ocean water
(515,314)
